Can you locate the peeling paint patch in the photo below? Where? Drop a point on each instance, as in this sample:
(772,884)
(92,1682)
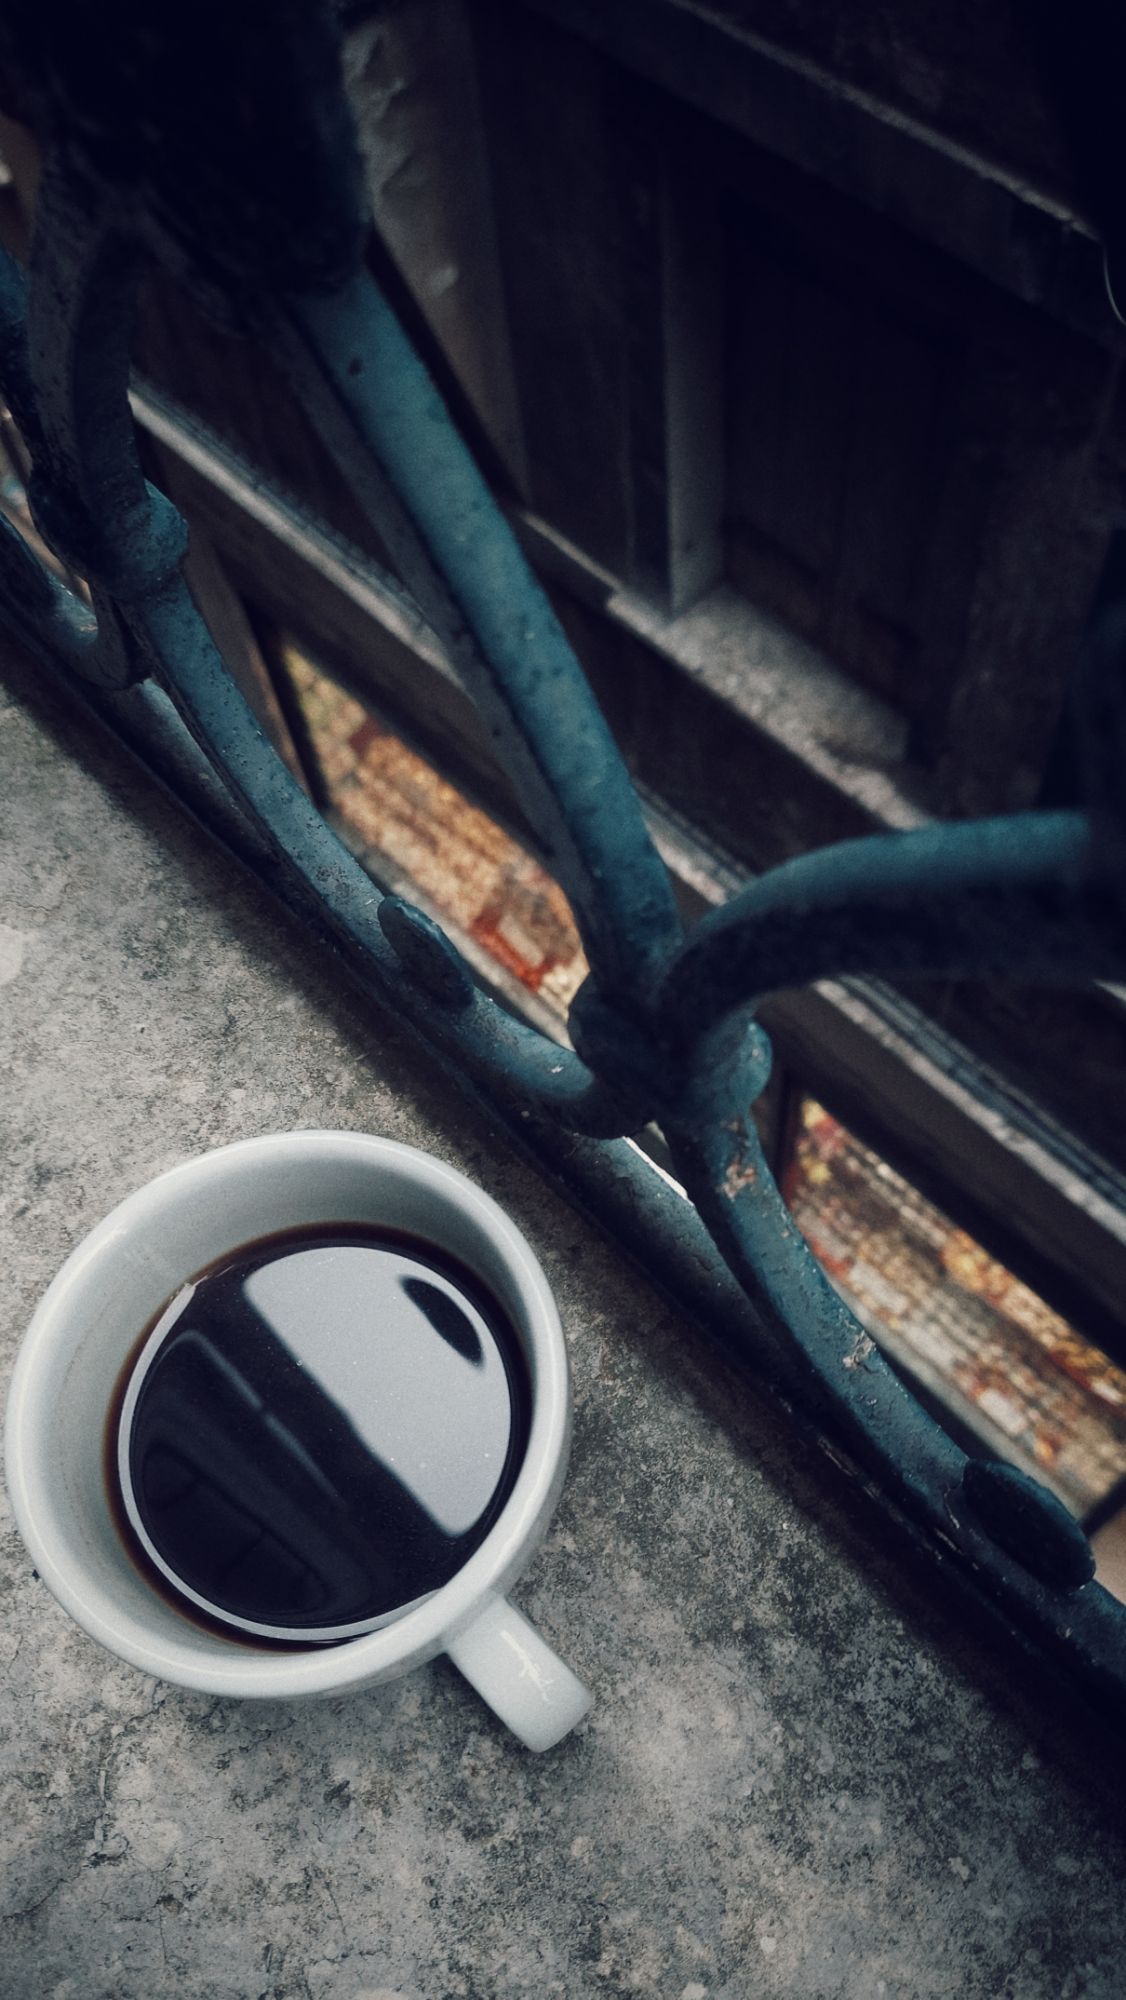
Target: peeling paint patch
(862,1347)
(740,1174)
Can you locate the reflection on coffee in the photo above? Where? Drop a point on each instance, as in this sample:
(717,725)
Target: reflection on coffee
(318,1431)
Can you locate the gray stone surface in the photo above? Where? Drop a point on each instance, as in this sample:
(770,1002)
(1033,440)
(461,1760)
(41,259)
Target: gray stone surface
(797,1782)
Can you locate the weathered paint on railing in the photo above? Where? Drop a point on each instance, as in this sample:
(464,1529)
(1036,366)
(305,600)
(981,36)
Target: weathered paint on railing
(163,140)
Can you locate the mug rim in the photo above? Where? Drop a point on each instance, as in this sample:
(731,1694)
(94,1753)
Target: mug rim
(235,1668)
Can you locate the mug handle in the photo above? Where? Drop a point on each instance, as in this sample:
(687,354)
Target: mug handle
(523,1681)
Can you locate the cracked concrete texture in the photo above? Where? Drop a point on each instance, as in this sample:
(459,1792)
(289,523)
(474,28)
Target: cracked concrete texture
(801,1779)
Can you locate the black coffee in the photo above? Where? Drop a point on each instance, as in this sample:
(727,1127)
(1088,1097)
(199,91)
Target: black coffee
(321,1428)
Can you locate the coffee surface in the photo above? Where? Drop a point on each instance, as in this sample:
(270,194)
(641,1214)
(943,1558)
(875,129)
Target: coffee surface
(323,1428)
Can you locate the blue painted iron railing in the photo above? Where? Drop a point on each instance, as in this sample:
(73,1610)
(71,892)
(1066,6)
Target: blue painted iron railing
(214,138)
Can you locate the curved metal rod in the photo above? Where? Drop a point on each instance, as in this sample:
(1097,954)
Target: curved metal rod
(97,506)
(87,494)
(492,1046)
(1025,895)
(93,494)
(40,610)
(826,1359)
(15,372)
(385,424)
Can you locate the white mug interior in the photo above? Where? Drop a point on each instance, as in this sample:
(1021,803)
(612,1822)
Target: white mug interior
(91,1322)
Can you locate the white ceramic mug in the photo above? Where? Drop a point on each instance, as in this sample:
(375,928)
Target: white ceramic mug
(115,1283)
